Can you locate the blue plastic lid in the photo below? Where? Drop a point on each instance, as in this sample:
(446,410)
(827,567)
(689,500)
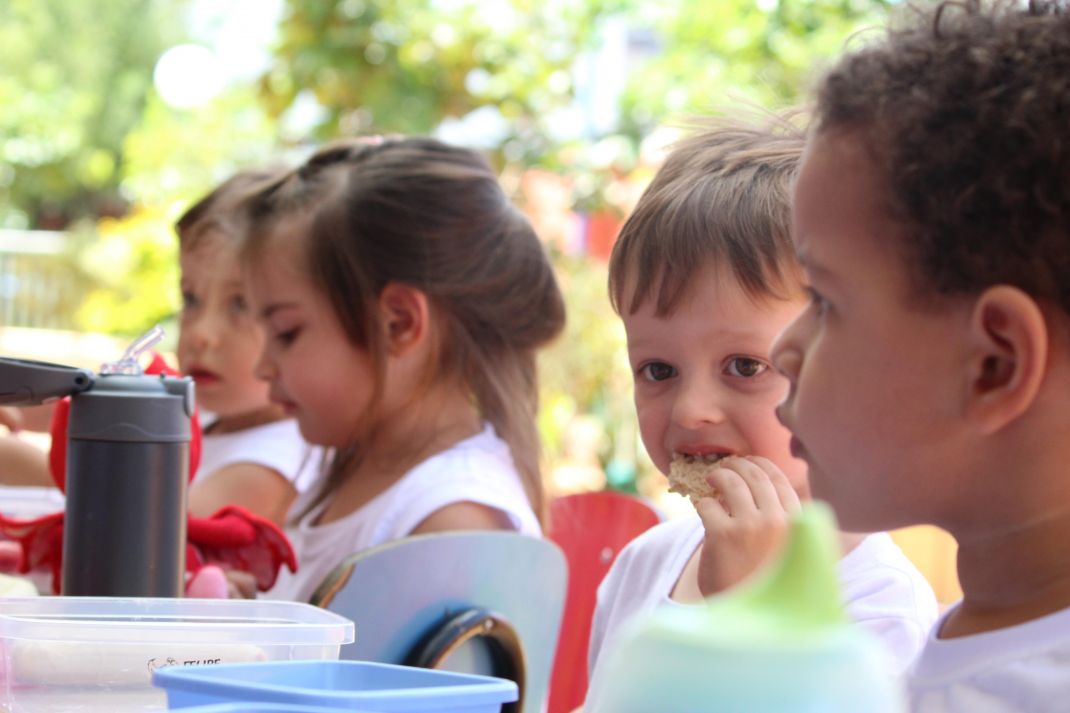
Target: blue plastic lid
(263,708)
(337,684)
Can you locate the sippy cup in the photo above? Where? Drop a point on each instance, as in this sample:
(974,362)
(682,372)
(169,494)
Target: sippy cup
(779,644)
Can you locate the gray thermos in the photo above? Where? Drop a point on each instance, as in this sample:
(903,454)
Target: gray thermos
(124,531)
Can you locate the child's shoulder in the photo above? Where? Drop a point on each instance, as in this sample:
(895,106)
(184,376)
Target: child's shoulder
(277,445)
(672,534)
(878,563)
(663,550)
(283,428)
(1023,667)
(481,455)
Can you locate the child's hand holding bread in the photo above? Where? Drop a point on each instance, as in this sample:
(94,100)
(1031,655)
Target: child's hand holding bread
(745,513)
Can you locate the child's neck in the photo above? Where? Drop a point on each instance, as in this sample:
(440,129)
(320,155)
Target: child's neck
(249,419)
(1013,526)
(1014,576)
(1013,560)
(438,422)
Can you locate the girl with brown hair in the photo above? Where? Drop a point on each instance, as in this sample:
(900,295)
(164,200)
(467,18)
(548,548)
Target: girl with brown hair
(404,300)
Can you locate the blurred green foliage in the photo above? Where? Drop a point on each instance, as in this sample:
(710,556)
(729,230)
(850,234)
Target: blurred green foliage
(404,65)
(766,52)
(577,86)
(74,78)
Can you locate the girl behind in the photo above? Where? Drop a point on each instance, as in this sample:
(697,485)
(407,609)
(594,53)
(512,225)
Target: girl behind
(404,299)
(252,455)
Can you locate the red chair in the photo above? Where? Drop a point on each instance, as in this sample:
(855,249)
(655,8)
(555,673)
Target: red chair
(591,528)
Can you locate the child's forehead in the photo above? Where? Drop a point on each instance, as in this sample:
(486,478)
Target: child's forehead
(713,290)
(210,253)
(211,241)
(281,253)
(710,282)
(841,188)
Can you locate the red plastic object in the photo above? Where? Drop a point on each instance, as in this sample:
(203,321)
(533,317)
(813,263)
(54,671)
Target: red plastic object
(591,528)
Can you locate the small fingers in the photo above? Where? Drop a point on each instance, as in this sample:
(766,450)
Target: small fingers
(745,487)
(785,493)
(241,585)
(11,417)
(713,513)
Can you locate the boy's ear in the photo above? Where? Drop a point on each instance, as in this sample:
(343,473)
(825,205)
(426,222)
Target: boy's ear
(1009,358)
(404,312)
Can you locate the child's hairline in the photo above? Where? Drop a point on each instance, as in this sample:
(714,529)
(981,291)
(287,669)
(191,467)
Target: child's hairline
(786,285)
(722,197)
(210,235)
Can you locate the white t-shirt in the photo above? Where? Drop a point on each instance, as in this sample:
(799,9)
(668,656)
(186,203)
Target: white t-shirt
(277,445)
(479,469)
(1018,668)
(884,592)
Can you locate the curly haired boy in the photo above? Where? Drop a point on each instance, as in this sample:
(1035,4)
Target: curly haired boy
(930,375)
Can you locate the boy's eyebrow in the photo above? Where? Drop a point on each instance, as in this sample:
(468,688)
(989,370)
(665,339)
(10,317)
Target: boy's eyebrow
(814,267)
(276,307)
(727,334)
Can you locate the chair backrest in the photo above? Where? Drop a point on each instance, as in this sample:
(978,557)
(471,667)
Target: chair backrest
(591,529)
(479,602)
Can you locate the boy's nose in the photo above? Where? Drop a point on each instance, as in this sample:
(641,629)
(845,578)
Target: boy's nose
(263,369)
(786,353)
(697,407)
(203,331)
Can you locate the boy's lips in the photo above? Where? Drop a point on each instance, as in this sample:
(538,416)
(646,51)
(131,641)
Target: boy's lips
(701,451)
(288,407)
(203,377)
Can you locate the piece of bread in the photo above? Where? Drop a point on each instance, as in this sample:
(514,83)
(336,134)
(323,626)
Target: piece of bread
(687,476)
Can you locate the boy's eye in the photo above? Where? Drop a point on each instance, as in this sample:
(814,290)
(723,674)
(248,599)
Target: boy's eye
(287,337)
(188,299)
(238,304)
(817,301)
(657,371)
(745,367)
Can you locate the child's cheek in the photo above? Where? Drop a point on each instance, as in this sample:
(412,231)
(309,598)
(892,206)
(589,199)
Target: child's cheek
(652,429)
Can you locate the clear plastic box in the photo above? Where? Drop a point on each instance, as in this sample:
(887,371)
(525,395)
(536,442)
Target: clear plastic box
(98,654)
(341,685)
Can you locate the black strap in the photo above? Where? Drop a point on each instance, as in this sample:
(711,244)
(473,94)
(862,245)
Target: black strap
(503,643)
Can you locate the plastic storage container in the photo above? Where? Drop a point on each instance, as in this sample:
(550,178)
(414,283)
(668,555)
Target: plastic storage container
(98,654)
(346,685)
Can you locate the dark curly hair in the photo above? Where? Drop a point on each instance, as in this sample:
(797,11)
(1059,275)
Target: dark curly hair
(967,111)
